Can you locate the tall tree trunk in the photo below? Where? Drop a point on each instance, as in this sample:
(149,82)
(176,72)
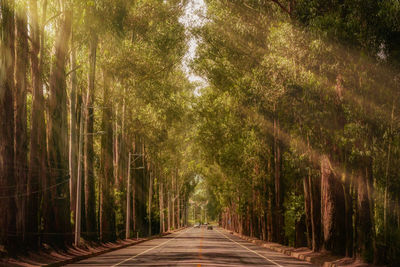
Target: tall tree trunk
(300,229)
(161,203)
(107,217)
(37,144)
(134,193)
(307,211)
(73,130)
(269,200)
(315,210)
(116,150)
(173,201)
(264,208)
(178,216)
(169,211)
(118,182)
(332,209)
(279,221)
(21,138)
(57,218)
(90,203)
(386,193)
(398,211)
(150,198)
(314,192)
(364,221)
(349,216)
(7,181)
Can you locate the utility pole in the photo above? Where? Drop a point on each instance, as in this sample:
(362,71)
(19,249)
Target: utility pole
(79,184)
(128,193)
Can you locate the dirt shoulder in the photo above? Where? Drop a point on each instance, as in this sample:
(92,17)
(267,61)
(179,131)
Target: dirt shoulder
(324,259)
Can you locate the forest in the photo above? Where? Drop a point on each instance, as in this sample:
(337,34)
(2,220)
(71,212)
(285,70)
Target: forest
(293,137)
(93,99)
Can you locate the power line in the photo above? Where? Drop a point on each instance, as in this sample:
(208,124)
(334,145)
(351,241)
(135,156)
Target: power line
(38,191)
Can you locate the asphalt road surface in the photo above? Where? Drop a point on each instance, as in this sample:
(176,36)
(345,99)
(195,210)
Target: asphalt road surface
(194,247)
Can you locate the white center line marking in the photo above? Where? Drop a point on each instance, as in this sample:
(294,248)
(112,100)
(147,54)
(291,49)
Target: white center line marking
(147,250)
(255,252)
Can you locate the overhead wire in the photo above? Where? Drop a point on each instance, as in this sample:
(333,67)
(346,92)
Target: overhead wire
(37,191)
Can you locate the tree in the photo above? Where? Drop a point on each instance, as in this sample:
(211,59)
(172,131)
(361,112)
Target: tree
(57,217)
(7,178)
(37,174)
(21,135)
(107,212)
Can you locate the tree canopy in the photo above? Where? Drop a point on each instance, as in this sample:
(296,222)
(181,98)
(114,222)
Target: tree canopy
(293,138)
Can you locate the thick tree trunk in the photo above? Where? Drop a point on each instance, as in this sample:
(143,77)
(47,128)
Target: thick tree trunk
(340,120)
(21,138)
(315,210)
(7,181)
(332,209)
(57,218)
(300,230)
(90,203)
(37,145)
(107,217)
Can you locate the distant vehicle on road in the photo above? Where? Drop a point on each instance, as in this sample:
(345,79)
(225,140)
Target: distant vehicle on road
(197,225)
(209,227)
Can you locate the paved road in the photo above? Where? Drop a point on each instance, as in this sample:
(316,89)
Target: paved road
(194,247)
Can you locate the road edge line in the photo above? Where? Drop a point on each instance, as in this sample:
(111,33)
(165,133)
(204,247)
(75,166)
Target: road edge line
(255,252)
(143,252)
(95,254)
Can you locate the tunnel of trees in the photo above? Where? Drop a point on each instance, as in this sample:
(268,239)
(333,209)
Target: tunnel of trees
(294,137)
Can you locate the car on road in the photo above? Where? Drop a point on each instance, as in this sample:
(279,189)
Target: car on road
(209,227)
(197,225)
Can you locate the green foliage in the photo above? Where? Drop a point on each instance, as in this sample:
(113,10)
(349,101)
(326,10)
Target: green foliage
(288,84)
(294,213)
(327,73)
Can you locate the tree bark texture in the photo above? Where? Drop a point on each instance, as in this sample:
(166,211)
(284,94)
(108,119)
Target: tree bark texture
(37,175)
(57,219)
(73,130)
(21,134)
(332,209)
(7,181)
(107,216)
(90,203)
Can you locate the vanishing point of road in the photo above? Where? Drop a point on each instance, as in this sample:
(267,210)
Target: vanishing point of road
(194,247)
